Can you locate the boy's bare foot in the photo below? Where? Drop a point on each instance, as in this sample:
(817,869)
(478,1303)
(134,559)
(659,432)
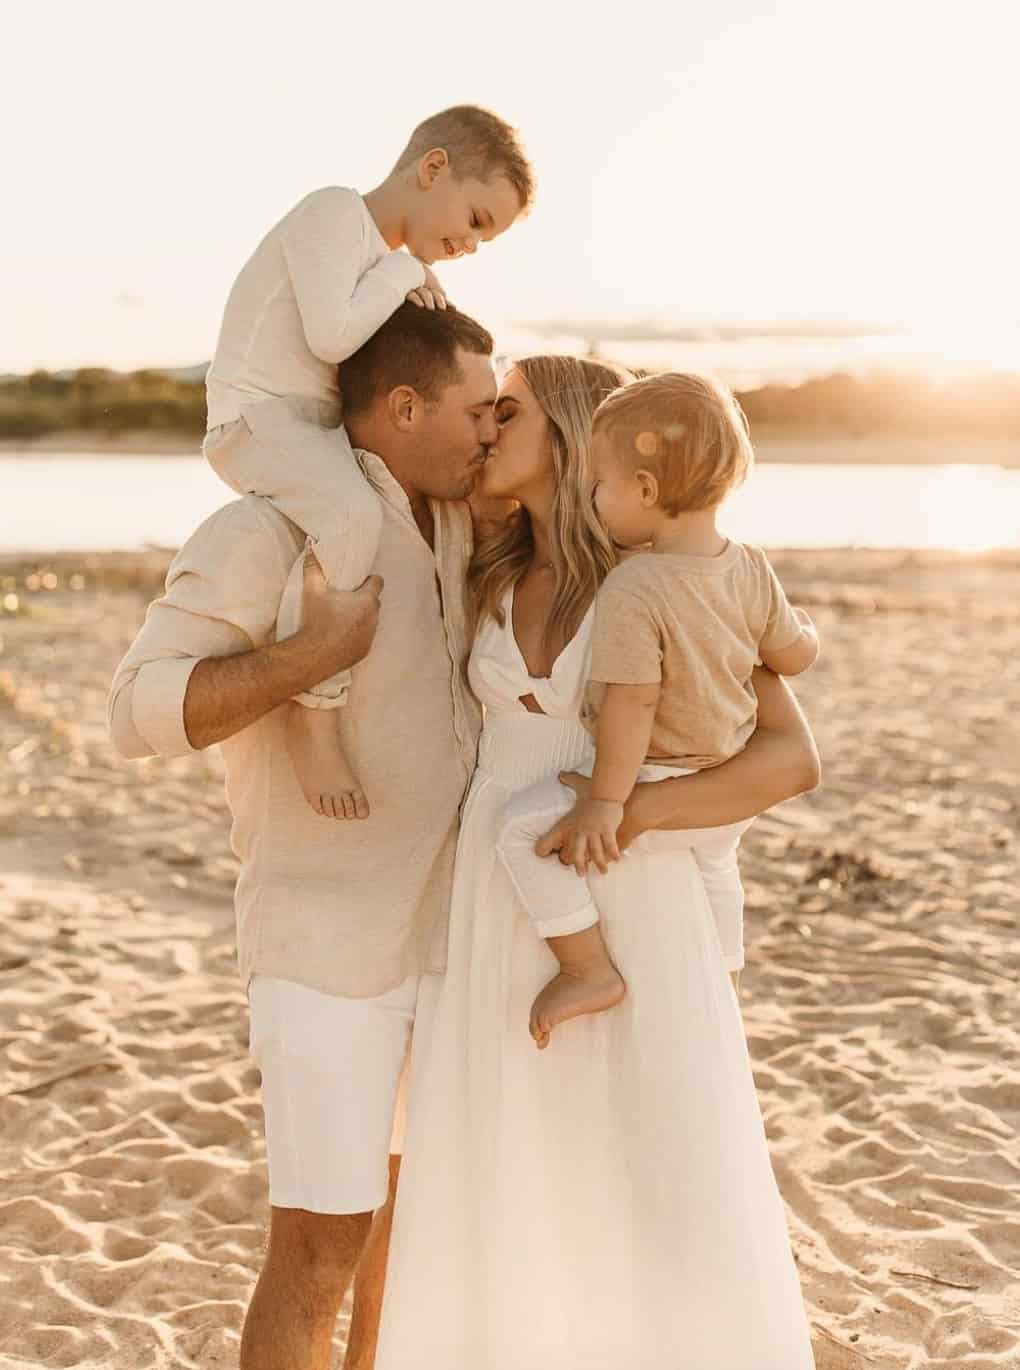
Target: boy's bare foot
(588,982)
(323,771)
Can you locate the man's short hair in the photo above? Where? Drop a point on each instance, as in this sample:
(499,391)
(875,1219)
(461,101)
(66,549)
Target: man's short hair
(688,430)
(416,347)
(478,143)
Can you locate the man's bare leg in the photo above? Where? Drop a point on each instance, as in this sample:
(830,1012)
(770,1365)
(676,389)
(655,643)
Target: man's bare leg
(370,1282)
(309,1266)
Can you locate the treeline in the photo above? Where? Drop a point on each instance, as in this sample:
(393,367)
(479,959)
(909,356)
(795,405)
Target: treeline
(983,405)
(97,400)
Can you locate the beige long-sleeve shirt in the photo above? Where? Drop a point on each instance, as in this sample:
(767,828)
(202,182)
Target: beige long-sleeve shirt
(318,285)
(347,908)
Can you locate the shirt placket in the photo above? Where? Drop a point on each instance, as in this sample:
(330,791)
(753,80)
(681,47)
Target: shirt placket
(447,564)
(443,555)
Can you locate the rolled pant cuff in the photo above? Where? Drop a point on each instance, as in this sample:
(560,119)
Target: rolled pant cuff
(310,700)
(565,924)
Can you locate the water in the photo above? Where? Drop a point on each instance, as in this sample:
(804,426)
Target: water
(89,503)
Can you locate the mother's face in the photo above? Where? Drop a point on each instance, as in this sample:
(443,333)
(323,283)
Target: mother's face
(521,461)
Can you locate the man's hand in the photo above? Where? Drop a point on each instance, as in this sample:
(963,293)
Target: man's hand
(430,295)
(587,833)
(339,624)
(227,694)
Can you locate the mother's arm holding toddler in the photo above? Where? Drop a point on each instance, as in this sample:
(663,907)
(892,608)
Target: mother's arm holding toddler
(779,762)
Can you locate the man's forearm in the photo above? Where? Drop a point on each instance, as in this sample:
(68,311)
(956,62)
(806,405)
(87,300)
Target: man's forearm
(228,693)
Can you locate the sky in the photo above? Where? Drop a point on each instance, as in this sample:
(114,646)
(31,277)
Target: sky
(727,160)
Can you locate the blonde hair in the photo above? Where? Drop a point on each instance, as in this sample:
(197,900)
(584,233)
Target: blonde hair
(569,390)
(688,430)
(478,143)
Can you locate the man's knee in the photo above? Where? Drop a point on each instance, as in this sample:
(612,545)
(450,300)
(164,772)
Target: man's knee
(319,1250)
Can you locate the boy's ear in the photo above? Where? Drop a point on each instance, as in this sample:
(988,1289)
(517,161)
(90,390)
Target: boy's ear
(431,167)
(648,484)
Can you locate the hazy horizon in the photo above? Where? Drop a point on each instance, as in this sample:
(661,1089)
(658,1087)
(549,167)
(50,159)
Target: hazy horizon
(705,163)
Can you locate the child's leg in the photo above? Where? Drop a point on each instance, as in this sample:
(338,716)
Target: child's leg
(310,474)
(327,779)
(563,912)
(715,852)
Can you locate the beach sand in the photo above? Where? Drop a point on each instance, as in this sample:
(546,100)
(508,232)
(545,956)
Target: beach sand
(879,996)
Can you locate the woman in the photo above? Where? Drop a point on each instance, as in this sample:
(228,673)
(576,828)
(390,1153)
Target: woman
(609,1203)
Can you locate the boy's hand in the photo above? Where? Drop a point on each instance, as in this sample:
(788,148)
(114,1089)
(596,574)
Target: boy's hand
(430,295)
(588,833)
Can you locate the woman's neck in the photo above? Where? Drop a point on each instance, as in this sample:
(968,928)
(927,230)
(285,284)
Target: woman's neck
(540,516)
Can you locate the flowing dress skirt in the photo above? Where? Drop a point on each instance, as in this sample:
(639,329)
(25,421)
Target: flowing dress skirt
(607,1204)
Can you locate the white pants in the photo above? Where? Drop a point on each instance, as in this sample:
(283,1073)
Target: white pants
(331,1089)
(292,452)
(559,902)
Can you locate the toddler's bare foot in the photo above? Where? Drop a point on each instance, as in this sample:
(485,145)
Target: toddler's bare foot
(323,771)
(588,982)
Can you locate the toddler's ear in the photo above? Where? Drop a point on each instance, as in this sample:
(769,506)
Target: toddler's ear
(648,484)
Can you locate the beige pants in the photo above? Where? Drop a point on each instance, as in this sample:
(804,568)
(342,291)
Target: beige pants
(295,453)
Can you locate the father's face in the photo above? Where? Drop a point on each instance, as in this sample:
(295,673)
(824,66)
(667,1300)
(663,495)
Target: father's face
(458,430)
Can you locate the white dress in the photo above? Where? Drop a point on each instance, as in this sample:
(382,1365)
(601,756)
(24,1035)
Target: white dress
(608,1203)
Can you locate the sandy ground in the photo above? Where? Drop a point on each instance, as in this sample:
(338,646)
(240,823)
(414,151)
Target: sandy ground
(880,994)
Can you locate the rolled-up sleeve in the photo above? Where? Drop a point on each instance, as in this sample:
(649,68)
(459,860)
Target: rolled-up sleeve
(221,598)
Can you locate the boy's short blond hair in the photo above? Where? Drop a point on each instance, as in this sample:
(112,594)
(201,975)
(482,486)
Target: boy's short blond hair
(478,143)
(688,430)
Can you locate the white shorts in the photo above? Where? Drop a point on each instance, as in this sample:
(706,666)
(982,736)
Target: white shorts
(331,1075)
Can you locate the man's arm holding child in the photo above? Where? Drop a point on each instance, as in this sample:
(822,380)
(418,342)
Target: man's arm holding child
(204,665)
(227,694)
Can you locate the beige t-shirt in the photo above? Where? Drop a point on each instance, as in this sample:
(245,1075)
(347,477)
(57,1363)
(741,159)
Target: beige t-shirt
(698,626)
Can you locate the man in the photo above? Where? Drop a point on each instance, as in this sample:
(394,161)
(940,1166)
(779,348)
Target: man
(335,922)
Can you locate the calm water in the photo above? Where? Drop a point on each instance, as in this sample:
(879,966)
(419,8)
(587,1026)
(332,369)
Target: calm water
(56,503)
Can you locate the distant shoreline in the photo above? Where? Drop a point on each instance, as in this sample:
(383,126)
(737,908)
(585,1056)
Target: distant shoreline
(771,445)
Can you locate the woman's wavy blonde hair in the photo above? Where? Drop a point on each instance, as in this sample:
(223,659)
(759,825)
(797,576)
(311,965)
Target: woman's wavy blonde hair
(569,390)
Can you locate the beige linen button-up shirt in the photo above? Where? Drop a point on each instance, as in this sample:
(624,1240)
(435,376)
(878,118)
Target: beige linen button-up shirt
(349,908)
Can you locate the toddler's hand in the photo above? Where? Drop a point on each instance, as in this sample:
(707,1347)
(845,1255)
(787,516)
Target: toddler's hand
(431,294)
(588,833)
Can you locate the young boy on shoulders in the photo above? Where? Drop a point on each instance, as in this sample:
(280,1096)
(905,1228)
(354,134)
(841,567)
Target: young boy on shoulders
(318,286)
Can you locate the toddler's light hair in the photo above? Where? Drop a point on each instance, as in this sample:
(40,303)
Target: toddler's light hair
(478,143)
(687,430)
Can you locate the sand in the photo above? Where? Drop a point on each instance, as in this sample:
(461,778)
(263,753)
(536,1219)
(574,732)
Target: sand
(879,996)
